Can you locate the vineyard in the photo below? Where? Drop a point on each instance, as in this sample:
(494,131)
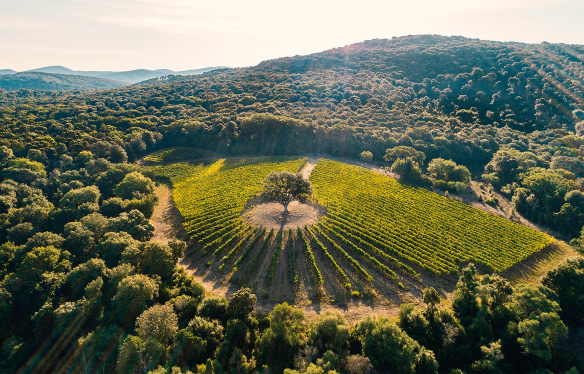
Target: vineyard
(375,230)
(212,198)
(178,154)
(370,211)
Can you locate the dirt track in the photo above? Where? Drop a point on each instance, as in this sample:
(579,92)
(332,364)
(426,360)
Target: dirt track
(383,295)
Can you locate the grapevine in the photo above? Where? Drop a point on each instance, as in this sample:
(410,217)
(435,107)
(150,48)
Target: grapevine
(311,259)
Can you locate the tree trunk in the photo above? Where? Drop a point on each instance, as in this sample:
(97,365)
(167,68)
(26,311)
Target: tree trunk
(285,208)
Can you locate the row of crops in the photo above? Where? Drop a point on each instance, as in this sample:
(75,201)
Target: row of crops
(213,197)
(394,221)
(374,225)
(178,154)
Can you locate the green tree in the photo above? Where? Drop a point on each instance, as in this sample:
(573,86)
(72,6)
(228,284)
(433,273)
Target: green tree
(178,248)
(78,240)
(460,174)
(84,157)
(540,325)
(24,163)
(237,345)
(213,307)
(407,168)
(133,295)
(281,341)
(134,223)
(107,181)
(567,281)
(7,253)
(402,152)
(210,331)
(79,277)
(506,166)
(464,300)
(40,260)
(185,284)
(440,168)
(188,350)
(241,304)
(151,258)
(5,154)
(20,233)
(138,357)
(366,156)
(330,332)
(284,187)
(447,170)
(81,202)
(157,322)
(134,185)
(113,207)
(415,324)
(386,345)
(426,362)
(113,244)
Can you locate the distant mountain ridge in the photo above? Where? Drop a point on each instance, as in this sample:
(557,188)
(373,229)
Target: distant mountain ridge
(131,76)
(59,82)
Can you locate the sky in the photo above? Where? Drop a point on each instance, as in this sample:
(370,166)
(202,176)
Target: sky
(117,35)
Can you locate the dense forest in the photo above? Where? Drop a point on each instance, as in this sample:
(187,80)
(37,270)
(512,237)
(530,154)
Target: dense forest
(84,289)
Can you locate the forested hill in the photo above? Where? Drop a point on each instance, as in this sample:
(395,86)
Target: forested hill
(502,107)
(524,86)
(84,288)
(59,82)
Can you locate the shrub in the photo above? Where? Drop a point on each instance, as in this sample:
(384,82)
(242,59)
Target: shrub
(493,201)
(460,187)
(441,185)
(366,156)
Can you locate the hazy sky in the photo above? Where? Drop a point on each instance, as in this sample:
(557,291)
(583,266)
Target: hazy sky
(189,34)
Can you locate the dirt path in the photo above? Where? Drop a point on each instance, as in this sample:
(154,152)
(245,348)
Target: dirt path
(166,218)
(310,164)
(167,223)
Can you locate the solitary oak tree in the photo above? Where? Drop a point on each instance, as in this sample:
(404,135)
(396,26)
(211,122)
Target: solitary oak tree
(284,187)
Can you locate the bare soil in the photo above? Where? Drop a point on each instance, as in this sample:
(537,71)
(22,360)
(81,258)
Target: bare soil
(166,218)
(272,216)
(381,296)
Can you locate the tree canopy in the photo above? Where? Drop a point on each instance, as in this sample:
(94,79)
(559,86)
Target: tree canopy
(284,187)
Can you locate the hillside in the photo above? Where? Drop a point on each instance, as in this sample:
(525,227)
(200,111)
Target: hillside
(135,76)
(485,105)
(364,230)
(59,82)
(132,76)
(134,236)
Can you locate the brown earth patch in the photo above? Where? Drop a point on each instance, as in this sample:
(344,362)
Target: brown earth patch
(166,218)
(271,215)
(381,296)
